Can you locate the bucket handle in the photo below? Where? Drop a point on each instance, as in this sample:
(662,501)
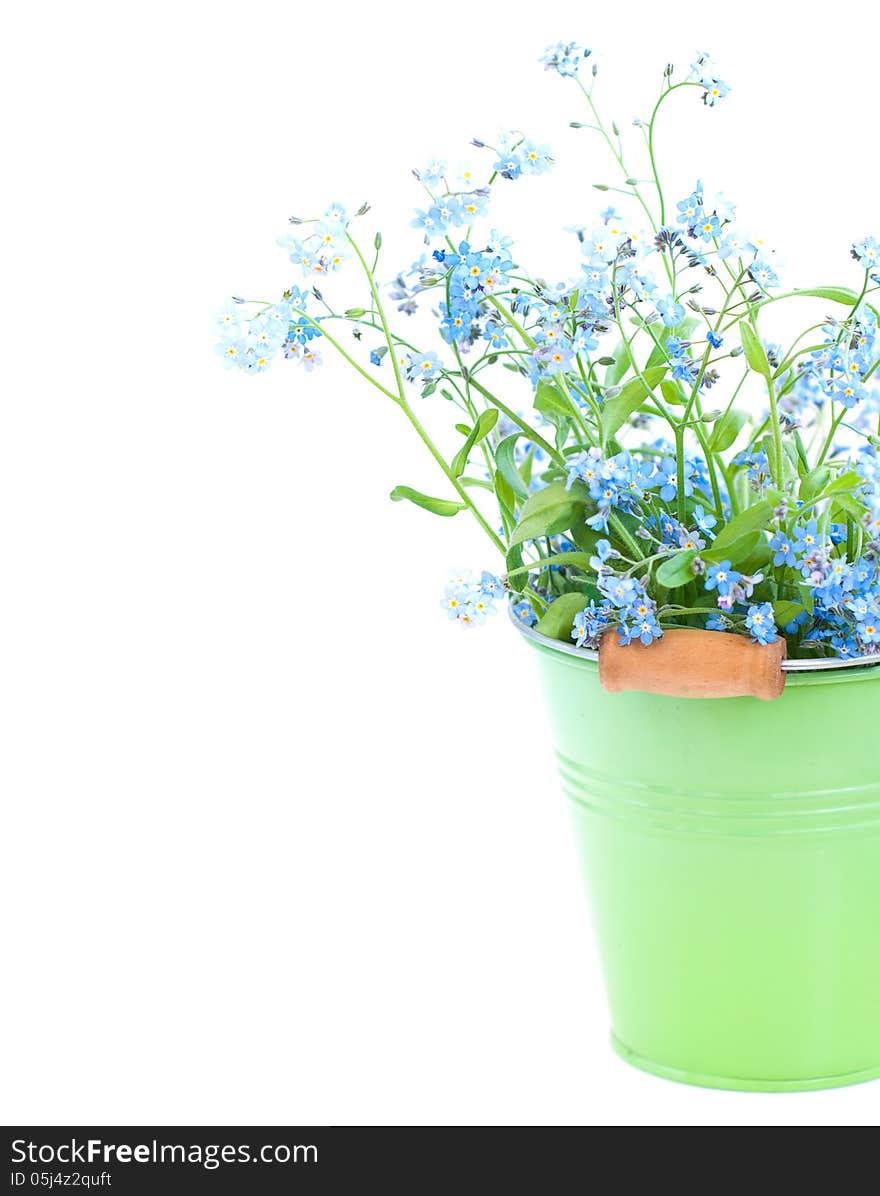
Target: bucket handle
(690,663)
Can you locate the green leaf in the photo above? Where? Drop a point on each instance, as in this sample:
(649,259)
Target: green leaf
(672,392)
(746,548)
(803,460)
(676,570)
(550,510)
(527,466)
(481,429)
(845,483)
(486,422)
(546,523)
(507,467)
(506,498)
(814,483)
(754,350)
(784,611)
(559,619)
(551,402)
(792,454)
(561,560)
(616,411)
(834,294)
(743,526)
(585,538)
(621,364)
(847,504)
(780,471)
(437,506)
(757,560)
(726,430)
(554,495)
(513,560)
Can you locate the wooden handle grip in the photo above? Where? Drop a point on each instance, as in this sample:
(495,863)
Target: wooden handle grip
(689,663)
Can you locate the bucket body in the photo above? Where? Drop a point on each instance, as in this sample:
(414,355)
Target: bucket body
(731,851)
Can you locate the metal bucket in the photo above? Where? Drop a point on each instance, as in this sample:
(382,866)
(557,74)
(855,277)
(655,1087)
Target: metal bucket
(731,850)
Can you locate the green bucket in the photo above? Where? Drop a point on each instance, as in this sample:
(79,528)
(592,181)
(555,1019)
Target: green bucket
(731,851)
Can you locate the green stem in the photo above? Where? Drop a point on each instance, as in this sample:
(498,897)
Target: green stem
(628,540)
(410,414)
(654,171)
(679,462)
(347,356)
(534,436)
(512,321)
(618,156)
(835,424)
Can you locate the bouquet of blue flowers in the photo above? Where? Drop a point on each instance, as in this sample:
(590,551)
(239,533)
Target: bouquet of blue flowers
(670,467)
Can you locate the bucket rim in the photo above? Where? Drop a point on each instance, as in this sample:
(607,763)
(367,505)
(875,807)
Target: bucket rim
(826,665)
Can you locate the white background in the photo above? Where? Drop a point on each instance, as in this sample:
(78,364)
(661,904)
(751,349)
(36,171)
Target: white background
(281,844)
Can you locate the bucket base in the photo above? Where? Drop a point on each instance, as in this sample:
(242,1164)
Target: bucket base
(738,1083)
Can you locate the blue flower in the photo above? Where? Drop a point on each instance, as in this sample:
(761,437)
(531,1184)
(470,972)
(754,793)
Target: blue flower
(759,466)
(869,630)
(423,367)
(847,390)
(376,355)
(232,352)
(760,623)
(495,335)
(733,244)
(433,172)
(806,538)
(473,204)
(304,354)
(604,552)
(796,623)
(717,623)
(867,253)
(714,339)
(564,57)
(534,159)
(668,478)
(302,331)
(589,624)
(457,595)
(703,72)
(490,585)
(691,209)
(471,602)
(721,577)
(431,221)
(622,592)
(708,226)
(705,521)
(640,625)
(763,274)
(784,551)
(845,645)
(335,214)
(671,312)
(523,611)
